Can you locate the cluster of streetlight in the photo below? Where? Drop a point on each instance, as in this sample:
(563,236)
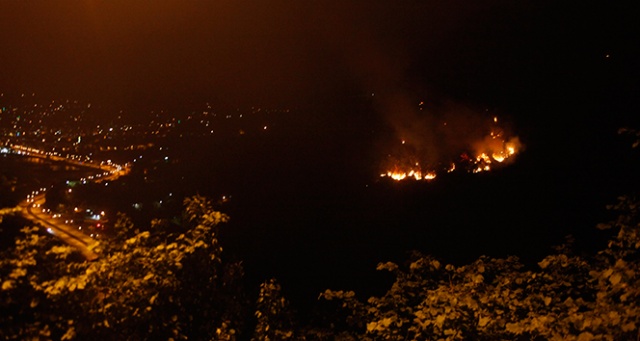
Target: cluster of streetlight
(109,168)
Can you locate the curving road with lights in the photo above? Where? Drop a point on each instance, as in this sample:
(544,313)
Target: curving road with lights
(67,233)
(31,208)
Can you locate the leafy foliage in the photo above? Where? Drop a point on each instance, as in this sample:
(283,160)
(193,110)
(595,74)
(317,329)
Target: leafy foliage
(273,314)
(158,284)
(567,298)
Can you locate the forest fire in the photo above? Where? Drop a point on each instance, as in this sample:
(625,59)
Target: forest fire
(480,154)
(398,175)
(494,148)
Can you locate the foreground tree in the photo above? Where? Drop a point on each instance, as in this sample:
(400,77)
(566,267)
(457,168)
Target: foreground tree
(567,298)
(273,314)
(168,282)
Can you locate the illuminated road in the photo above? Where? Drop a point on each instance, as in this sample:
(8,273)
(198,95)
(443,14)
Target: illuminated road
(67,233)
(31,208)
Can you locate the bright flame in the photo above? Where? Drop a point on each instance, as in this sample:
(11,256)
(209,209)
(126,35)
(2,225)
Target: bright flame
(500,150)
(452,168)
(416,174)
(495,148)
(498,157)
(483,158)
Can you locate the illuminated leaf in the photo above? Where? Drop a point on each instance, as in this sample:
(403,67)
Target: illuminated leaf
(7,285)
(514,328)
(585,336)
(629,326)
(615,279)
(70,334)
(483,321)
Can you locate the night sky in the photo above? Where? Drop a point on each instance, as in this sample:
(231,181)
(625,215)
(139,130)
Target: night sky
(149,53)
(565,76)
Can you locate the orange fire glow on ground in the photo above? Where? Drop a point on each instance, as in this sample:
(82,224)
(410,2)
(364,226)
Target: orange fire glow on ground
(494,149)
(416,174)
